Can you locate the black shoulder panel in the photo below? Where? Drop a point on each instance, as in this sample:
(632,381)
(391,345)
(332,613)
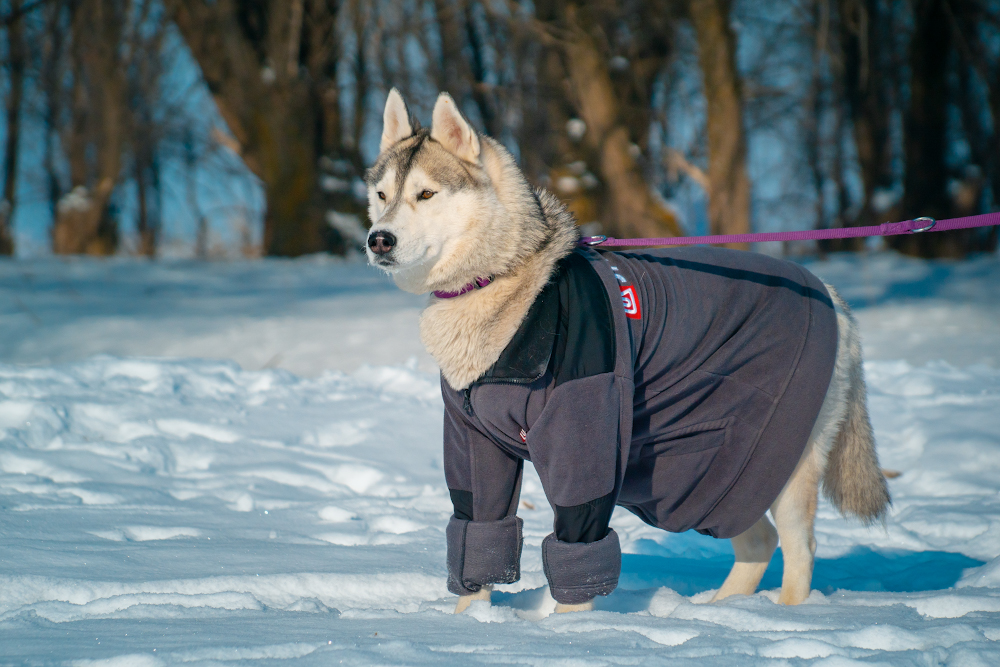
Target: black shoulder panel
(526,357)
(568,330)
(585,342)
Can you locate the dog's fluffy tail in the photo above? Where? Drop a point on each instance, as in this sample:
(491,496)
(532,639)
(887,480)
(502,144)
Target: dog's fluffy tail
(853,480)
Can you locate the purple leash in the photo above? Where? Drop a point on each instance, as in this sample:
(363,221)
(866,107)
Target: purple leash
(886,229)
(915,226)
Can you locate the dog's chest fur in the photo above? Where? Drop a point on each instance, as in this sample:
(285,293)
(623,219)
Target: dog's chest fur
(467,334)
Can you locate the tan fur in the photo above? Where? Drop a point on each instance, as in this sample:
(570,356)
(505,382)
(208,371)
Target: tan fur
(794,513)
(753,549)
(466,335)
(567,608)
(482,595)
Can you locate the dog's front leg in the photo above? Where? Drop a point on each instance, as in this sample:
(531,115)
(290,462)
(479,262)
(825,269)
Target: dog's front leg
(465,600)
(583,606)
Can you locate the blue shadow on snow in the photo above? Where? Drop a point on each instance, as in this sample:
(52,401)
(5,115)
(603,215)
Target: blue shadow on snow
(861,569)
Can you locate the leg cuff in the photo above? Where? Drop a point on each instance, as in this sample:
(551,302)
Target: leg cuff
(578,572)
(483,552)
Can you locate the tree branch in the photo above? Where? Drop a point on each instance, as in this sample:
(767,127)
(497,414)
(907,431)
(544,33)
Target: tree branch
(17,13)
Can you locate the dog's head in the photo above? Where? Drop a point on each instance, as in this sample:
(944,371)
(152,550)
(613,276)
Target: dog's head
(438,220)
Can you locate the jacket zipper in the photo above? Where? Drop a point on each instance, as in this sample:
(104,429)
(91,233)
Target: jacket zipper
(468,402)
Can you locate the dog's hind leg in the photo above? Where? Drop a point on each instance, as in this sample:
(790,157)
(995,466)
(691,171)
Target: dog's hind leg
(794,512)
(754,548)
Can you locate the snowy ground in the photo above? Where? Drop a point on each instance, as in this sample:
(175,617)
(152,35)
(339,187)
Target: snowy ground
(158,508)
(306,316)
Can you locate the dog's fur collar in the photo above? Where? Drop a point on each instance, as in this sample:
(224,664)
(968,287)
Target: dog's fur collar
(466,335)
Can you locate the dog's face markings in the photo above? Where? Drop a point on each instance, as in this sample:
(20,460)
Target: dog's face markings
(421,209)
(425,188)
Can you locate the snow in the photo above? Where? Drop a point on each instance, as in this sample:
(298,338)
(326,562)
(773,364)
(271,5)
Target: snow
(240,462)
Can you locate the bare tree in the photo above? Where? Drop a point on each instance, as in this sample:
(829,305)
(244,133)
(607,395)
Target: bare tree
(933,58)
(146,129)
(52,72)
(729,185)
(581,92)
(95,137)
(271,68)
(977,24)
(628,206)
(865,61)
(15,98)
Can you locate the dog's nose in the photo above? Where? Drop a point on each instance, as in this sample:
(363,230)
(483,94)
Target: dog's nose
(381,242)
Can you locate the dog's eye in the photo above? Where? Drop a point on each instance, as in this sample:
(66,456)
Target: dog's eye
(426,194)
(381,195)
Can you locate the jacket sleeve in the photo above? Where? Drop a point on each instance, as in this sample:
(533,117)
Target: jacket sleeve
(484,534)
(574,446)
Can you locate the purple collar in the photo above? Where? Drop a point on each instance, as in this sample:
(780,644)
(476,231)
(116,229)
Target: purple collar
(478,283)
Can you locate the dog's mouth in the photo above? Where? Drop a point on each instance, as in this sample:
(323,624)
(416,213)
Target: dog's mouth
(400,260)
(385,261)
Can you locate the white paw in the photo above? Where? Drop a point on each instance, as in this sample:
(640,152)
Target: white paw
(483,594)
(566,608)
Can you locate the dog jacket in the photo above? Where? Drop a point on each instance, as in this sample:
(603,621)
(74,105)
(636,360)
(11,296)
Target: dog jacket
(681,384)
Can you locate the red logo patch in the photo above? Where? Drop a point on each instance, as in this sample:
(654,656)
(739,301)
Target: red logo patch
(524,436)
(631,302)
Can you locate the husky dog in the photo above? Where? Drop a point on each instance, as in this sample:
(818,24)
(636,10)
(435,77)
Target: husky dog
(698,388)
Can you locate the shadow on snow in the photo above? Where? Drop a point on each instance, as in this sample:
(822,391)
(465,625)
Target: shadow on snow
(861,569)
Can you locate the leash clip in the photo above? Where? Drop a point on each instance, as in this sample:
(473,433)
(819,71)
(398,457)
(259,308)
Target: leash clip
(593,240)
(931,222)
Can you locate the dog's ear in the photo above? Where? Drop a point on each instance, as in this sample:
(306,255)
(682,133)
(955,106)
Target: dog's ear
(395,121)
(451,130)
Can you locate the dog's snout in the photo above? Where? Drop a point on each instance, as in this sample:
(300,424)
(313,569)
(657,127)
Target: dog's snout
(381,242)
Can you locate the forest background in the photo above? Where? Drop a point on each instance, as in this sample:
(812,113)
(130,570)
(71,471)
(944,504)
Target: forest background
(214,128)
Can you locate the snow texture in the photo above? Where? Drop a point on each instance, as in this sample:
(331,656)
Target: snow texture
(236,463)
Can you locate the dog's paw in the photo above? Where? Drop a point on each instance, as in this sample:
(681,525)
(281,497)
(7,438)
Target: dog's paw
(566,608)
(465,600)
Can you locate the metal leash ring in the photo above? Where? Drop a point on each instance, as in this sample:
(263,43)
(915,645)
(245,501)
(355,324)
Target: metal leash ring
(928,227)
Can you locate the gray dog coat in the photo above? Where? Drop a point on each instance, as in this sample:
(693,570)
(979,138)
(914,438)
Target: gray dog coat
(680,384)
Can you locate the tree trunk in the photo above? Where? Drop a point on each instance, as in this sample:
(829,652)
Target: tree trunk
(813,110)
(275,114)
(633,210)
(729,185)
(863,40)
(51,78)
(84,222)
(285,152)
(147,184)
(925,143)
(982,132)
(16,60)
